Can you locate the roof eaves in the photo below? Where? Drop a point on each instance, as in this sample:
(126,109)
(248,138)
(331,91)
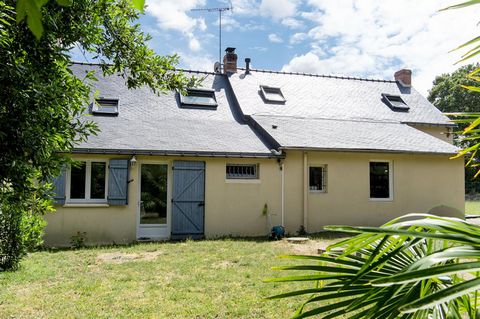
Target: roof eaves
(362,150)
(176,153)
(429,124)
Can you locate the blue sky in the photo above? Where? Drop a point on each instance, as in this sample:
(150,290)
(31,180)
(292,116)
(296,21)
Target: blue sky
(359,38)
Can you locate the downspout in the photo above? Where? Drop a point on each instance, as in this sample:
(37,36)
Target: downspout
(282,167)
(305,190)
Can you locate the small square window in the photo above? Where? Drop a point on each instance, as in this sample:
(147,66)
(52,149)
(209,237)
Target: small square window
(395,102)
(199,98)
(380,180)
(317,181)
(242,171)
(272,94)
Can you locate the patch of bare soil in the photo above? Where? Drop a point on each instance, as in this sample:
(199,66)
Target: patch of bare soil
(310,247)
(120,257)
(225,264)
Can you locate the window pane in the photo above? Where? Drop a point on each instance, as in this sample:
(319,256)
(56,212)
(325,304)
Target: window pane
(107,106)
(379,180)
(199,100)
(153,194)
(97,186)
(316,179)
(272,94)
(77,181)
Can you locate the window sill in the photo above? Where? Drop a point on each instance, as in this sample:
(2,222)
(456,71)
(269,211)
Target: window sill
(86,205)
(381,199)
(242,181)
(317,191)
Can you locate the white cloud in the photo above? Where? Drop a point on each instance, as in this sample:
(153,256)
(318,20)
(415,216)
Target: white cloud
(298,37)
(278,9)
(228,23)
(172,15)
(244,7)
(274,38)
(375,38)
(196,62)
(292,23)
(193,44)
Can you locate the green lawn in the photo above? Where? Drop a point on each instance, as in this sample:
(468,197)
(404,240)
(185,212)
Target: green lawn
(472,207)
(193,279)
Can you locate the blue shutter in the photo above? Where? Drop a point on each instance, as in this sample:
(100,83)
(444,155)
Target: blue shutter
(118,182)
(59,188)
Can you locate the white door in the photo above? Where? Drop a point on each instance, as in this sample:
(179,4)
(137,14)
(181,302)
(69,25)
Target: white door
(153,205)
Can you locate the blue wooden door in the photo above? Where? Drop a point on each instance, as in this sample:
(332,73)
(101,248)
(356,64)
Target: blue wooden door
(188,199)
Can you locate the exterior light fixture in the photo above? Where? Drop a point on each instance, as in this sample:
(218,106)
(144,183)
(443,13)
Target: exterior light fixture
(133,161)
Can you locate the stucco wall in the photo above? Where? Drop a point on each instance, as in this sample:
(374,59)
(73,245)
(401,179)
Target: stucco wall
(441,132)
(420,182)
(232,207)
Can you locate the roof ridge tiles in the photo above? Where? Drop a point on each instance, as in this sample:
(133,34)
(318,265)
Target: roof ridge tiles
(341,77)
(331,76)
(176,69)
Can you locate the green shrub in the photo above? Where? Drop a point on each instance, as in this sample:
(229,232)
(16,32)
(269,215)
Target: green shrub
(10,236)
(21,225)
(78,240)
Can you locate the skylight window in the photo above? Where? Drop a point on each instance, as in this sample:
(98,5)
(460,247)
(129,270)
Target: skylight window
(104,106)
(395,102)
(199,98)
(272,94)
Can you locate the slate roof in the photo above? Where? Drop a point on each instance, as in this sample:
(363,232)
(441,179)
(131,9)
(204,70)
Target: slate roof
(321,112)
(332,98)
(152,124)
(348,135)
(338,113)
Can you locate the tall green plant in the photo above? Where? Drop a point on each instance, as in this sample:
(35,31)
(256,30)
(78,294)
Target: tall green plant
(42,103)
(420,268)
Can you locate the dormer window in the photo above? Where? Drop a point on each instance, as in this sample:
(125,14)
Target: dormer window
(395,102)
(199,98)
(104,106)
(272,94)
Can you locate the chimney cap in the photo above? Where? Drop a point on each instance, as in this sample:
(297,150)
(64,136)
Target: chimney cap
(404,76)
(248,60)
(230,50)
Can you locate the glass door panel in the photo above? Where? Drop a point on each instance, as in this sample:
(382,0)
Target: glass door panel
(153,194)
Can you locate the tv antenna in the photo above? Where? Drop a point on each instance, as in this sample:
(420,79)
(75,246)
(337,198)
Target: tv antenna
(220,11)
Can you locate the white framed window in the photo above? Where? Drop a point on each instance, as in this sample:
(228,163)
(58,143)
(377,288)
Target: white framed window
(381,180)
(242,171)
(87,182)
(317,178)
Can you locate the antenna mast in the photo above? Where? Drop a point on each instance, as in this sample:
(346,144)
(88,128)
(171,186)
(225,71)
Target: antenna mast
(220,11)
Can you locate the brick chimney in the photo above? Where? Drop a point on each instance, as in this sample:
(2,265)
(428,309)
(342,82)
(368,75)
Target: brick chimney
(404,76)
(230,61)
